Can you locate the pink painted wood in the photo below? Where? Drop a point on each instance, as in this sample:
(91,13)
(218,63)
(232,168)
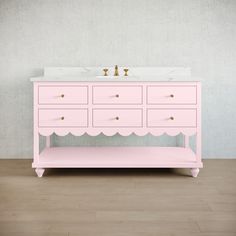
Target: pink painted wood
(117,118)
(172,94)
(141,108)
(186,141)
(39,172)
(172,117)
(117,95)
(50,117)
(48,141)
(114,157)
(66,94)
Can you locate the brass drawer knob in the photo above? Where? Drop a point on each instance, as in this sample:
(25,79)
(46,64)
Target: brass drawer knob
(62,118)
(62,95)
(117,118)
(172,118)
(172,95)
(117,95)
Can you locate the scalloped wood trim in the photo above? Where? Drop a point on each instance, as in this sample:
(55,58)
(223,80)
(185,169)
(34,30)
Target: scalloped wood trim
(111,132)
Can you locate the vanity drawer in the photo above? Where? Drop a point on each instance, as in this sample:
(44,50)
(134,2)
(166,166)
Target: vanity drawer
(117,95)
(63,118)
(171,117)
(63,95)
(117,117)
(171,95)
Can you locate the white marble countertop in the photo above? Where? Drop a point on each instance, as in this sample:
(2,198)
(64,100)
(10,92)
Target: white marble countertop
(135,74)
(113,79)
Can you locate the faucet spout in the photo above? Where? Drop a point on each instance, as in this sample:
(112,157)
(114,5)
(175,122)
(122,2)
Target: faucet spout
(116,71)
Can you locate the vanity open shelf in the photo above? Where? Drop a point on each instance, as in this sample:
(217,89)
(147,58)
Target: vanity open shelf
(129,157)
(85,105)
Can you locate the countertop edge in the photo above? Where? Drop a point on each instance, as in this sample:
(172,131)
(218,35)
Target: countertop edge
(120,79)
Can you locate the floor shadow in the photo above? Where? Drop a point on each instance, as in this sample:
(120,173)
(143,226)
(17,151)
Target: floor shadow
(116,172)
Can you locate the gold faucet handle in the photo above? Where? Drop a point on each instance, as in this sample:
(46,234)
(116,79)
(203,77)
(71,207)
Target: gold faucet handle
(126,72)
(105,72)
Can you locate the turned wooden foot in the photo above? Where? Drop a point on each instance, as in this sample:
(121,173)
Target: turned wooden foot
(195,172)
(39,172)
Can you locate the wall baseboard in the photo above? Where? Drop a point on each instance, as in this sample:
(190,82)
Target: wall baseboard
(218,158)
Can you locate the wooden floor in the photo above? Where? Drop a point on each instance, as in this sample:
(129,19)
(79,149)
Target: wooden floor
(122,202)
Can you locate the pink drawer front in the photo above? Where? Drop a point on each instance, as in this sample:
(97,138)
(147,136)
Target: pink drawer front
(117,95)
(63,117)
(63,95)
(171,118)
(172,95)
(117,117)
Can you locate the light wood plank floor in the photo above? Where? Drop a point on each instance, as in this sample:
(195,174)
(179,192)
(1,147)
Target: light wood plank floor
(121,202)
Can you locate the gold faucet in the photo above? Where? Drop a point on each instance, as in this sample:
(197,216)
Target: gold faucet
(116,71)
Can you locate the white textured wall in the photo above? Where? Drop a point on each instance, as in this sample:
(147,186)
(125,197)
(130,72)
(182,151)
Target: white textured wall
(196,33)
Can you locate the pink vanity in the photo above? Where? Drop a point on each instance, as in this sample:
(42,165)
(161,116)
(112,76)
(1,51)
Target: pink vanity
(150,100)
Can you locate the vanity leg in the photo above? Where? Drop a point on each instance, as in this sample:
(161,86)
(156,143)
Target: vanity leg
(194,172)
(186,141)
(48,141)
(39,172)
